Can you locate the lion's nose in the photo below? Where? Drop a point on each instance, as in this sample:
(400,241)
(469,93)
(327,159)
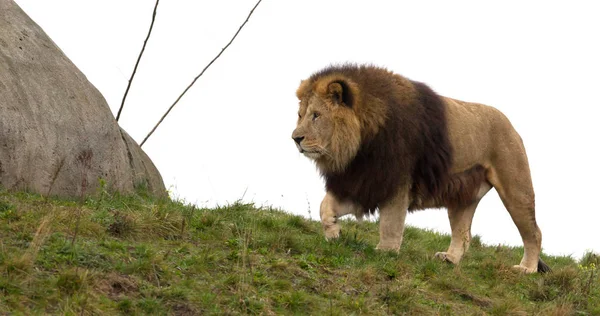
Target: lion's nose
(298,139)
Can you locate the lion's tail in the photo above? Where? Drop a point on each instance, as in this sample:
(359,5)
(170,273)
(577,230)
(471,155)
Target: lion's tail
(543,267)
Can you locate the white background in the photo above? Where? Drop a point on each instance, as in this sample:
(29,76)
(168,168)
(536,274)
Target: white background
(537,61)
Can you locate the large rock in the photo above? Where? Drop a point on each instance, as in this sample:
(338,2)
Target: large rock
(57,133)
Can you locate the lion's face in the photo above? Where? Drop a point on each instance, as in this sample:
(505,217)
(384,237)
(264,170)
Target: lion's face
(328,130)
(314,129)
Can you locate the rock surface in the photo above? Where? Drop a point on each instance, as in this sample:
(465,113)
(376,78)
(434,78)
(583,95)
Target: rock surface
(57,133)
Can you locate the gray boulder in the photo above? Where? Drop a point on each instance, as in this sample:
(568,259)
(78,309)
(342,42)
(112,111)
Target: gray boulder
(57,133)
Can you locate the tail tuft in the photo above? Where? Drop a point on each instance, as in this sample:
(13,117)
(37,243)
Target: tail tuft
(543,267)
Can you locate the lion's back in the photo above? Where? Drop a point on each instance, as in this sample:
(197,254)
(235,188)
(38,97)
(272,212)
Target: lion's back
(477,132)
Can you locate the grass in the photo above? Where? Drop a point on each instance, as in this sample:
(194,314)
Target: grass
(137,255)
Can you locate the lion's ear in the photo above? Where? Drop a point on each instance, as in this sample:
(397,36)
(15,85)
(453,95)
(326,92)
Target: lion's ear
(340,93)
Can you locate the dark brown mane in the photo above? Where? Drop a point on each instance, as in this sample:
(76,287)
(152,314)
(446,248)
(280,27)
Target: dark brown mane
(410,149)
(432,170)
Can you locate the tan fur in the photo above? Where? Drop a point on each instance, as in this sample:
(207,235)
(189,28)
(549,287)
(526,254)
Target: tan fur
(483,135)
(479,135)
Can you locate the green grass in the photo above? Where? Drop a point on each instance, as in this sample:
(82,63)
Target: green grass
(136,255)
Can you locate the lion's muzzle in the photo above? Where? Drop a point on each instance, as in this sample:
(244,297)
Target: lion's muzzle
(298,137)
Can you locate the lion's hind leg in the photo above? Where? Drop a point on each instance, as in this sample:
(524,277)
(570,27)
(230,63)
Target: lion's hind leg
(461,218)
(511,179)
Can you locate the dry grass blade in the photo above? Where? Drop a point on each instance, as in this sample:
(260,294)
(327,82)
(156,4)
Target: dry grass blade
(41,234)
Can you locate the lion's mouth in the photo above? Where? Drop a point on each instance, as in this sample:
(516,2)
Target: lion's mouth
(313,154)
(310,154)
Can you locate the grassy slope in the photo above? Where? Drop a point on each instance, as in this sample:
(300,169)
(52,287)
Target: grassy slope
(134,255)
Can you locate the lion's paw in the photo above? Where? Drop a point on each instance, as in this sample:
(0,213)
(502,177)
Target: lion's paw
(332,231)
(388,247)
(524,269)
(444,256)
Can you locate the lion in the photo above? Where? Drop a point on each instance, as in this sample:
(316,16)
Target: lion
(383,142)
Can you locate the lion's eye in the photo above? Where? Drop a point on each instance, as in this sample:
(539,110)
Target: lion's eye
(299,115)
(315,116)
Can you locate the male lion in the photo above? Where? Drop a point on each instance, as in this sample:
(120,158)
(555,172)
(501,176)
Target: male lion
(384,142)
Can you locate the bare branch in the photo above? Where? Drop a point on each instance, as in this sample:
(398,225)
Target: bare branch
(138,61)
(201,73)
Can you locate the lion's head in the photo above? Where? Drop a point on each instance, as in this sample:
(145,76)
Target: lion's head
(369,132)
(328,129)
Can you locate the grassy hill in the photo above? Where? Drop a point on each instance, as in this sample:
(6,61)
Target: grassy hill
(136,255)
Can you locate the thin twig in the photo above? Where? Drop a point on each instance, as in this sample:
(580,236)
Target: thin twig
(138,61)
(85,160)
(203,70)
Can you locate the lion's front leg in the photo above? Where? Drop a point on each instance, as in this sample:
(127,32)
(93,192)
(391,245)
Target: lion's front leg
(331,210)
(329,218)
(391,222)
